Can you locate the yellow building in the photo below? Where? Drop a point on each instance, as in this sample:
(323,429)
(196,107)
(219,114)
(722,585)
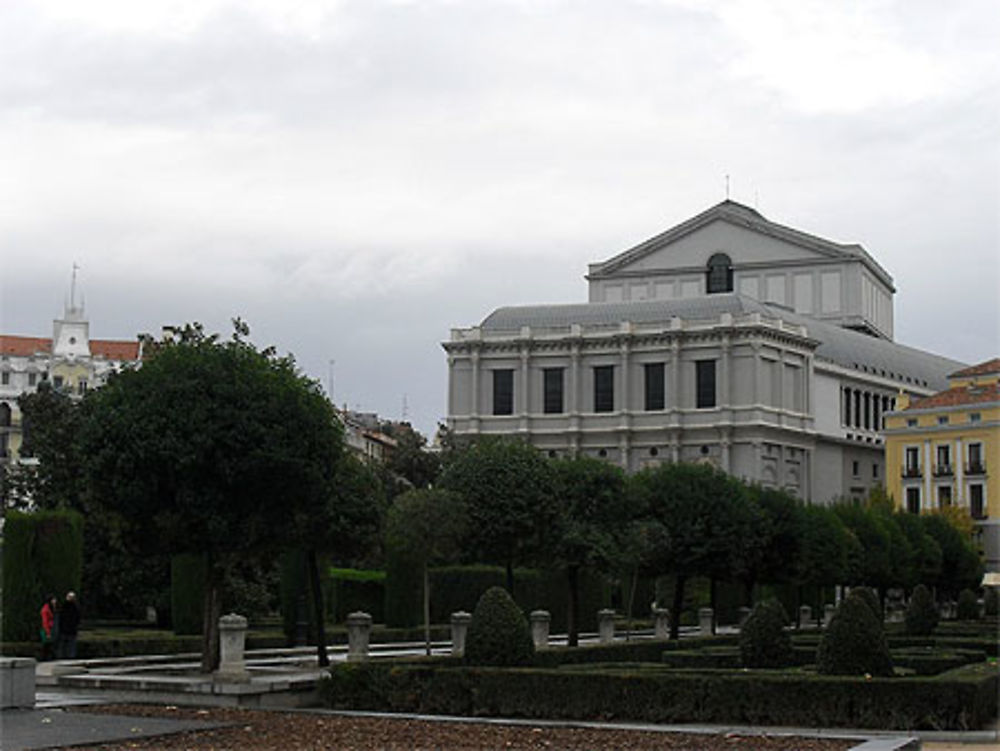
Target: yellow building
(944,450)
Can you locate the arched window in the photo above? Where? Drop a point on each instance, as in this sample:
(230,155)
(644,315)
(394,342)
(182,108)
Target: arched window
(719,277)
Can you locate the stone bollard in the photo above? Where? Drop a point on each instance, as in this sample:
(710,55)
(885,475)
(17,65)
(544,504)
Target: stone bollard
(661,623)
(606,625)
(459,629)
(705,618)
(540,620)
(828,610)
(805,616)
(744,613)
(17,682)
(232,641)
(359,628)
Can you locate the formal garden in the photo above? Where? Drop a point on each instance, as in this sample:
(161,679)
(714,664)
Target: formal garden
(215,479)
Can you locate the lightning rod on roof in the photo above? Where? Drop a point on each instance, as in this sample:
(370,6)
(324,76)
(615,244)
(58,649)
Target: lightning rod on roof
(727,186)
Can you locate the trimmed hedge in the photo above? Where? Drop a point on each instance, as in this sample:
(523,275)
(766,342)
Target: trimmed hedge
(351,589)
(854,643)
(764,643)
(42,554)
(961,699)
(498,633)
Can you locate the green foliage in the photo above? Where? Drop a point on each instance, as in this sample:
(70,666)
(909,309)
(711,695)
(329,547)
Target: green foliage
(968,606)
(870,599)
(826,547)
(854,643)
(764,643)
(921,612)
(991,600)
(498,634)
(962,699)
(354,589)
(50,421)
(410,460)
(873,562)
(508,487)
(188,572)
(42,555)
(960,564)
(777,539)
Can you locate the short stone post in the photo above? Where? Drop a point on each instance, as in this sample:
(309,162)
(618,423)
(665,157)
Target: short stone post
(359,628)
(744,613)
(705,618)
(459,629)
(232,641)
(805,616)
(540,620)
(661,623)
(17,682)
(828,610)
(606,625)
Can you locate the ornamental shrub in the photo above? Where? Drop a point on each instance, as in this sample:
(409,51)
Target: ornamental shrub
(854,643)
(498,634)
(870,598)
(991,600)
(764,643)
(921,612)
(968,606)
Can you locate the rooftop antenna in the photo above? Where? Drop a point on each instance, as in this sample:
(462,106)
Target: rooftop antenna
(329,384)
(727,186)
(405,408)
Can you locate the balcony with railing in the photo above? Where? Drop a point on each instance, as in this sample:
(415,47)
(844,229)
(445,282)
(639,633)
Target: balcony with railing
(943,470)
(975,468)
(911,470)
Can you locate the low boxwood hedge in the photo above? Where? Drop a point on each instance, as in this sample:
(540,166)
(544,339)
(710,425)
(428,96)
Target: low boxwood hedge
(960,699)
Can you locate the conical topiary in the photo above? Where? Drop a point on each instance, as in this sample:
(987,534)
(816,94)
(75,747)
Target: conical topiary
(870,598)
(764,643)
(498,634)
(854,643)
(921,612)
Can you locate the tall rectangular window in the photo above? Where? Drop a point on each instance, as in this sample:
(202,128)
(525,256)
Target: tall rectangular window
(705,384)
(976,506)
(552,385)
(944,496)
(943,459)
(655,389)
(503,392)
(604,388)
(975,458)
(912,461)
(913,500)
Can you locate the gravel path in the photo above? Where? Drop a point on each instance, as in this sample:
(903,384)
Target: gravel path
(295,731)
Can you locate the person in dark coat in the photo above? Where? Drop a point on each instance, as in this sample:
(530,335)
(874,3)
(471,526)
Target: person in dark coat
(47,631)
(69,627)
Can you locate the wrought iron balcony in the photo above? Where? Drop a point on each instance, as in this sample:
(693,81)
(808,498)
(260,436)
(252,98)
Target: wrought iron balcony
(943,470)
(913,471)
(975,468)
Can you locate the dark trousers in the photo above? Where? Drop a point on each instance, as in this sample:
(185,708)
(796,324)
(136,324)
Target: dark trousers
(67,647)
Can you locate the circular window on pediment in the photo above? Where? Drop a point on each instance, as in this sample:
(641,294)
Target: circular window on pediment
(72,340)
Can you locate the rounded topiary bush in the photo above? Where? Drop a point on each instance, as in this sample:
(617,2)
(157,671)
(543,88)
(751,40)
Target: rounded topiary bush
(921,612)
(854,643)
(870,598)
(764,643)
(968,606)
(498,634)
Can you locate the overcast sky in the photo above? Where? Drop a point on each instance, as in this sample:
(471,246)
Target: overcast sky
(355,178)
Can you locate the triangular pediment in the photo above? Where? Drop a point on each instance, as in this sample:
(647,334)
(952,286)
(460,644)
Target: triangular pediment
(737,230)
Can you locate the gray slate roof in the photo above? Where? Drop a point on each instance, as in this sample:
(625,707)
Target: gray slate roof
(850,349)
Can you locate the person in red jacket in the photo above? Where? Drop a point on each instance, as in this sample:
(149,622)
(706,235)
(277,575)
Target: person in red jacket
(47,631)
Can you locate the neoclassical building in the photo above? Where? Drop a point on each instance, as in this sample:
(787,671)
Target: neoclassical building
(728,339)
(70,361)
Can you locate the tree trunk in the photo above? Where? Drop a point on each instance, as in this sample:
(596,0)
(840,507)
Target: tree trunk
(573,611)
(510,577)
(675,615)
(631,603)
(713,586)
(427,610)
(211,609)
(317,597)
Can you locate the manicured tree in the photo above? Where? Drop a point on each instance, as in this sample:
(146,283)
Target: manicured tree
(213,447)
(764,643)
(826,548)
(960,564)
(968,606)
(498,634)
(427,526)
(507,485)
(875,563)
(854,643)
(51,423)
(695,519)
(921,612)
(409,459)
(927,556)
(777,544)
(592,514)
(870,599)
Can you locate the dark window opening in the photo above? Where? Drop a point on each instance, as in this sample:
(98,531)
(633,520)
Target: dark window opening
(655,386)
(503,392)
(552,383)
(913,500)
(604,388)
(719,277)
(976,506)
(705,384)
